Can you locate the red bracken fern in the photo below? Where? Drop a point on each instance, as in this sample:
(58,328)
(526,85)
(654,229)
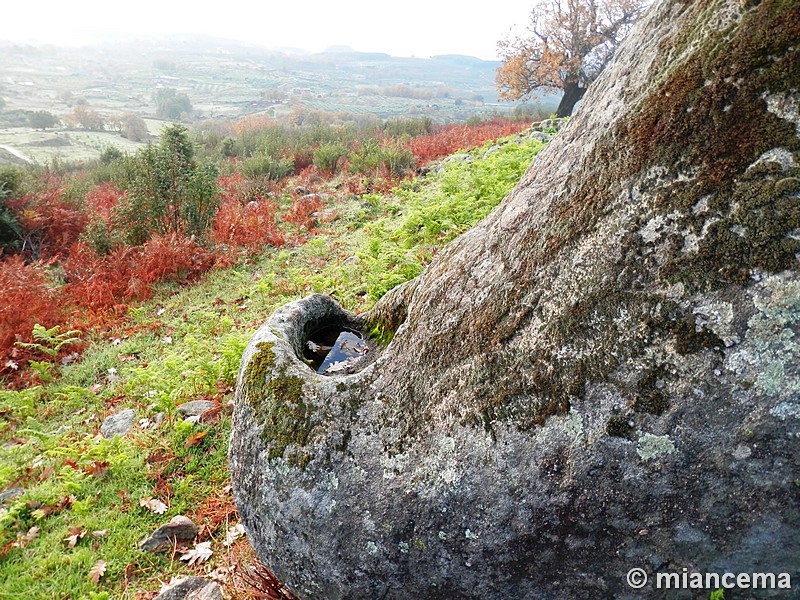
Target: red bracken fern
(99,282)
(27,297)
(447,139)
(127,273)
(302,212)
(173,257)
(250,225)
(50,222)
(102,200)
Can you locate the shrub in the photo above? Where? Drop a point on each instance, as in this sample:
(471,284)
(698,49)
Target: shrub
(374,158)
(10,227)
(397,128)
(328,157)
(264,165)
(168,191)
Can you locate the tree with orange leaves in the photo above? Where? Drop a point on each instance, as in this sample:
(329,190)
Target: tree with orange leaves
(568,44)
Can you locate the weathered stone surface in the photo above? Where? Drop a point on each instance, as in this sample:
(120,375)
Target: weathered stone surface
(195,408)
(184,589)
(118,424)
(602,375)
(210,591)
(179,529)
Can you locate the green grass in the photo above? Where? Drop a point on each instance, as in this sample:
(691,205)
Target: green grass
(186,345)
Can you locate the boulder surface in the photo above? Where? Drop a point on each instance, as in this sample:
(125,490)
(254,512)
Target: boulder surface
(602,375)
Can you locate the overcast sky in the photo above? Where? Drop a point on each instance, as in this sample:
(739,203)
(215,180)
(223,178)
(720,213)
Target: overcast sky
(401,27)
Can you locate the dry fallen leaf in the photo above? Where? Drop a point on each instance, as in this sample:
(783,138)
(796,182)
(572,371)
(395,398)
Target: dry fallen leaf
(234,533)
(24,540)
(200,553)
(46,472)
(100,533)
(74,535)
(153,504)
(97,571)
(98,468)
(222,574)
(195,438)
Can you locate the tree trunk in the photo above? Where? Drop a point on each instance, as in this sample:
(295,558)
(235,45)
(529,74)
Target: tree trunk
(573,92)
(602,375)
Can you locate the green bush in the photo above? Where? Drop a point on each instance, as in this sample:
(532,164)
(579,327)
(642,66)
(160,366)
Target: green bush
(168,192)
(399,128)
(327,158)
(372,156)
(264,165)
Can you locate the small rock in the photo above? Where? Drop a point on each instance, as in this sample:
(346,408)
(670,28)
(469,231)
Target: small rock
(492,150)
(11,493)
(195,407)
(309,197)
(159,418)
(182,588)
(118,424)
(460,157)
(211,591)
(351,260)
(179,529)
(540,136)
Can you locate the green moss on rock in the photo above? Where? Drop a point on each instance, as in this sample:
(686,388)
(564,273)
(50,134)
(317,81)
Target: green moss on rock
(650,395)
(279,406)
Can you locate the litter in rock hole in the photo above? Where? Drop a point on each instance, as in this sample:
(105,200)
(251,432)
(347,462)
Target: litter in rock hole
(335,351)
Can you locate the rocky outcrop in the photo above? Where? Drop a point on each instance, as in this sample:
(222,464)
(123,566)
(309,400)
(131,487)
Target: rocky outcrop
(602,375)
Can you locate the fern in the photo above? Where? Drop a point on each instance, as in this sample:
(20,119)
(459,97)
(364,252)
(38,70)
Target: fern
(51,341)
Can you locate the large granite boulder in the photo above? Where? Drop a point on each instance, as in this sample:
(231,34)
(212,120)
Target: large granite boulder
(602,375)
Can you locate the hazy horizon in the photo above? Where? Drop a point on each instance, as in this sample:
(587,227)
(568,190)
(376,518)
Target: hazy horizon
(415,28)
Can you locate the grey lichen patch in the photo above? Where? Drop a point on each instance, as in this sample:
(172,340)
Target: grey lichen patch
(786,410)
(573,426)
(651,446)
(771,353)
(786,106)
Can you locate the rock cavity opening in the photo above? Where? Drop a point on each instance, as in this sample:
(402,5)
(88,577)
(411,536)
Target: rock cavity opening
(335,349)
